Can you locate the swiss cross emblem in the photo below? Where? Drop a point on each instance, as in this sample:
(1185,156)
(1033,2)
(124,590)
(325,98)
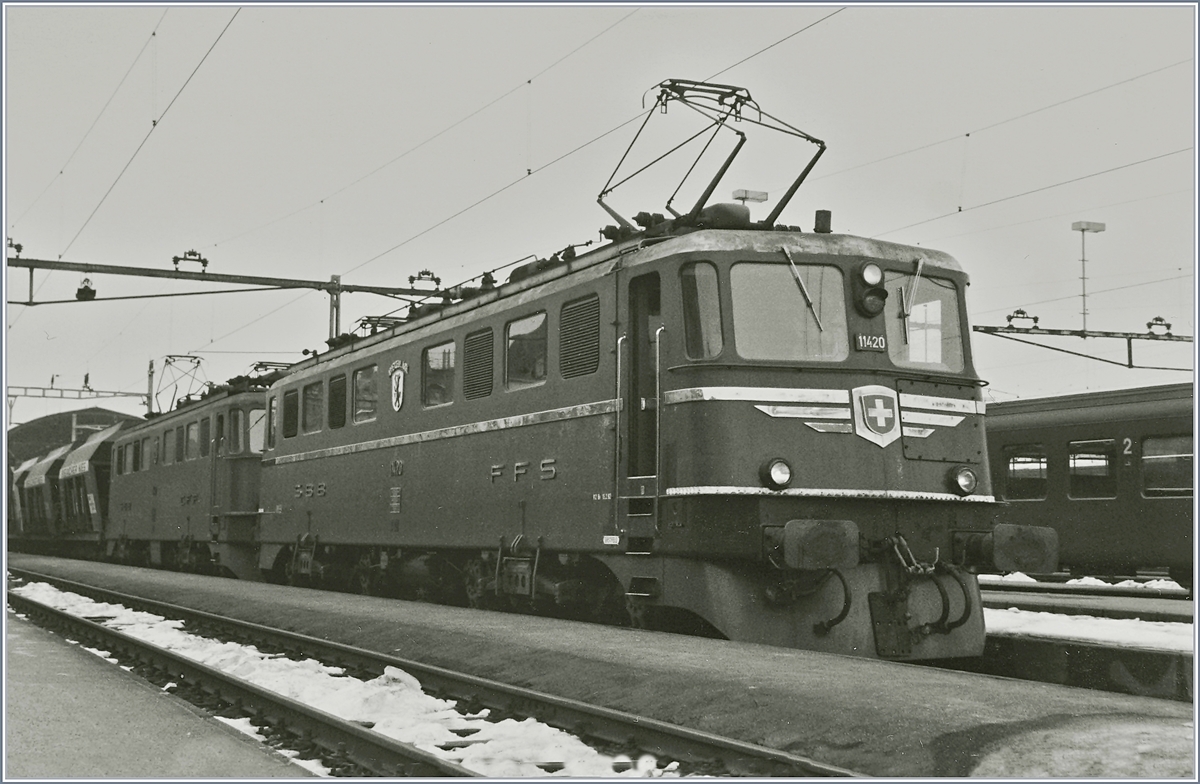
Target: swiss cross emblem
(876,414)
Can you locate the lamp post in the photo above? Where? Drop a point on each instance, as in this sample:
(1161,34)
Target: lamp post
(1083,227)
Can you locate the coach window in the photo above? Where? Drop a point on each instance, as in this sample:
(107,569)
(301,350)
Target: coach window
(1167,466)
(168,454)
(310,414)
(256,429)
(1024,472)
(235,431)
(525,352)
(205,436)
(701,310)
(192,449)
(365,398)
(437,377)
(337,401)
(271,416)
(291,413)
(1092,469)
(921,322)
(786,312)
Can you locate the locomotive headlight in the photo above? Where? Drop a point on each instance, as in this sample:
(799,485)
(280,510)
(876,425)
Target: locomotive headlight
(870,296)
(775,473)
(963,480)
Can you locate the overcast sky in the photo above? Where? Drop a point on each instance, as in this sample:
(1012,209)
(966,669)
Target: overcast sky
(374,142)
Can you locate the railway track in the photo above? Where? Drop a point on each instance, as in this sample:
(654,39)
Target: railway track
(356,750)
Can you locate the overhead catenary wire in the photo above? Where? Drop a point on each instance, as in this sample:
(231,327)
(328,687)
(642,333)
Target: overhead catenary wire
(525,83)
(490,195)
(1035,190)
(153,127)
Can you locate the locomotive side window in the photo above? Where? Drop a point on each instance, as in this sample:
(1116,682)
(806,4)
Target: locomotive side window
(366,399)
(220,434)
(136,446)
(437,375)
(337,401)
(193,441)
(1167,466)
(525,352)
(701,310)
(291,413)
(310,415)
(120,461)
(477,364)
(179,444)
(1025,472)
(1092,469)
(256,431)
(235,431)
(579,337)
(168,455)
(271,406)
(205,436)
(146,454)
(921,319)
(774,320)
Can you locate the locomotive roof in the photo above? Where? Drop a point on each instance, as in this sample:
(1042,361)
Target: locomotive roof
(630,253)
(190,409)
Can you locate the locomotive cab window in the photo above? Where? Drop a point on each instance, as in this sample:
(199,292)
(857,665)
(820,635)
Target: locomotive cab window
(236,423)
(921,321)
(773,319)
(1092,469)
(1167,466)
(337,401)
(1024,472)
(525,352)
(256,430)
(701,310)
(310,413)
(291,413)
(437,375)
(365,398)
(272,406)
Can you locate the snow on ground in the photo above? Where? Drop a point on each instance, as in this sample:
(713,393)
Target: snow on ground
(1130,633)
(393,703)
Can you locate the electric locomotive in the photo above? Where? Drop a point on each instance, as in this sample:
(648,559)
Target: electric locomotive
(711,424)
(1111,471)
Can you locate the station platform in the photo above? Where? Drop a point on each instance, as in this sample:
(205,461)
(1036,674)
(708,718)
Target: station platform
(71,714)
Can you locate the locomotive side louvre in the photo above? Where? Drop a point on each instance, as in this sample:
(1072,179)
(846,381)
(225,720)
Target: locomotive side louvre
(185,486)
(1111,471)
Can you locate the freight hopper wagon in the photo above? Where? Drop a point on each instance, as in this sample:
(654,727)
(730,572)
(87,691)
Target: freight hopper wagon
(710,424)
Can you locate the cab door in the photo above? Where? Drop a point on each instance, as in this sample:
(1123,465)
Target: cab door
(639,442)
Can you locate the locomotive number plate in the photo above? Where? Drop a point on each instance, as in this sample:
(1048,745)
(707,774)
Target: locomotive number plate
(870,342)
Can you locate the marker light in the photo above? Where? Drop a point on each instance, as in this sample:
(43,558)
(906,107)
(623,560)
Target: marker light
(776,474)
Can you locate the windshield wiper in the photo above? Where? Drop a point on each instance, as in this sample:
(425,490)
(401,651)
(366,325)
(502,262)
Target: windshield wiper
(908,300)
(803,290)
